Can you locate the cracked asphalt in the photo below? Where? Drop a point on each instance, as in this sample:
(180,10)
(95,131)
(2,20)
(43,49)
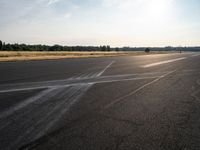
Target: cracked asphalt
(112,103)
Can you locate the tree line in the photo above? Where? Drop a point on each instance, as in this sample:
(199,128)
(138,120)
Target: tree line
(39,47)
(25,47)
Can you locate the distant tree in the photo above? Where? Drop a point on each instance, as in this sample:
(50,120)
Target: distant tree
(108,48)
(8,47)
(147,50)
(17,47)
(117,49)
(1,45)
(55,48)
(103,48)
(73,48)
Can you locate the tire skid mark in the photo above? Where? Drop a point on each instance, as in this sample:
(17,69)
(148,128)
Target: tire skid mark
(65,108)
(44,102)
(50,115)
(89,79)
(44,111)
(37,115)
(76,76)
(89,75)
(82,76)
(25,103)
(16,113)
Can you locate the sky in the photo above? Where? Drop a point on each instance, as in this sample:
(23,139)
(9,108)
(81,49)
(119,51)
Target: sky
(134,23)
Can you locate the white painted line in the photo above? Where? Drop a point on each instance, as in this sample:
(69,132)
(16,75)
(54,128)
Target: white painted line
(121,80)
(195,55)
(135,74)
(75,84)
(91,76)
(137,90)
(101,79)
(163,62)
(105,69)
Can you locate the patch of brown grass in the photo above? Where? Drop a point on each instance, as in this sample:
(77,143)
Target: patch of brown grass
(22,55)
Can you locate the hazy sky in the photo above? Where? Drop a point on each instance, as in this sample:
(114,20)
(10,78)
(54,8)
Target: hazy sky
(101,22)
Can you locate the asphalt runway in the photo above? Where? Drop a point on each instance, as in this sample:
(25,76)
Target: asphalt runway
(147,102)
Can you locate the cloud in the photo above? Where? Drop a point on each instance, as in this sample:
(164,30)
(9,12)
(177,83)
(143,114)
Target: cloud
(130,3)
(50,2)
(67,15)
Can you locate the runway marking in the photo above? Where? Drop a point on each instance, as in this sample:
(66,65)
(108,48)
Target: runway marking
(91,76)
(125,75)
(101,79)
(163,62)
(195,55)
(74,84)
(121,80)
(137,90)
(81,76)
(94,80)
(105,69)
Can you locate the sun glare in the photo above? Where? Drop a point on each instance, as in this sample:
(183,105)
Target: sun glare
(157,10)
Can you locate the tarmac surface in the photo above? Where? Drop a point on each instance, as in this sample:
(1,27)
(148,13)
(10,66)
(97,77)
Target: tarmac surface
(114,103)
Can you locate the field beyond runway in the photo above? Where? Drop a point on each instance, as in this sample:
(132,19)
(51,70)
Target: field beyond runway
(117,103)
(31,55)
